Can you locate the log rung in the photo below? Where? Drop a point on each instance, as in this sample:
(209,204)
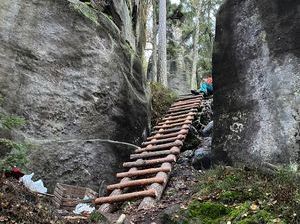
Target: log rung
(132,183)
(174,110)
(143,172)
(171,118)
(186,118)
(189,97)
(141,162)
(126,197)
(187,106)
(174,150)
(166,140)
(180,112)
(172,125)
(164,136)
(162,146)
(181,103)
(166,131)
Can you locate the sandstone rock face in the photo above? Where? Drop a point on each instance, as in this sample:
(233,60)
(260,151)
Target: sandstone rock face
(257,81)
(72,77)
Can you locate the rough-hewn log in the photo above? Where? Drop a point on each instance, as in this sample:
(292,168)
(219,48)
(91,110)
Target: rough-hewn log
(172,125)
(181,103)
(157,147)
(174,150)
(159,188)
(141,162)
(170,118)
(126,197)
(143,172)
(133,183)
(167,131)
(172,113)
(184,106)
(189,97)
(161,141)
(164,136)
(176,121)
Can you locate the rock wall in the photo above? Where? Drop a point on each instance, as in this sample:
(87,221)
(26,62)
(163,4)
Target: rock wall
(256,72)
(73,75)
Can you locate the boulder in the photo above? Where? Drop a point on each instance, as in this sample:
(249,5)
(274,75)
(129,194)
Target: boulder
(256,72)
(69,71)
(202,158)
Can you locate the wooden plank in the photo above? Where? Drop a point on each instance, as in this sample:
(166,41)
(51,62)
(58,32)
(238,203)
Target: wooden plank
(126,197)
(143,172)
(132,183)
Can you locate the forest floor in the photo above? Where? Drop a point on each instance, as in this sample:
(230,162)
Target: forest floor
(224,195)
(221,195)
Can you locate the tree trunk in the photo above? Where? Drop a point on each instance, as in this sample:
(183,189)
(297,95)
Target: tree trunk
(162,44)
(154,44)
(195,46)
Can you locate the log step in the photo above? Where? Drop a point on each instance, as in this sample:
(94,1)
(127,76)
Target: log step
(181,103)
(180,112)
(165,136)
(166,140)
(157,147)
(143,172)
(178,116)
(186,118)
(172,125)
(189,97)
(174,150)
(167,131)
(133,183)
(126,197)
(186,108)
(141,162)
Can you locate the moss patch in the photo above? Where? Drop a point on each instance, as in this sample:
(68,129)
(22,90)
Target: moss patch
(162,98)
(229,195)
(85,10)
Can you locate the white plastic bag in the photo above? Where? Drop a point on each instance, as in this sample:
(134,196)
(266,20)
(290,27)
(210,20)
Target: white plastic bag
(36,186)
(83,208)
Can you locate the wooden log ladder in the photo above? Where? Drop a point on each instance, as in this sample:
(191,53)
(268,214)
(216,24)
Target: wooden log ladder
(152,162)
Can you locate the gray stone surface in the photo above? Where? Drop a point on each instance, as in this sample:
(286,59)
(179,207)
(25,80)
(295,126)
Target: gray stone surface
(71,79)
(256,72)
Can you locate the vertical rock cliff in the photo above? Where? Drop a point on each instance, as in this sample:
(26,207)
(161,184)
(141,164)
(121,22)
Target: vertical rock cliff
(256,71)
(74,73)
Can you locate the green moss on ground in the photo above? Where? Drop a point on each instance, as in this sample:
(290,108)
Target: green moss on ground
(229,195)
